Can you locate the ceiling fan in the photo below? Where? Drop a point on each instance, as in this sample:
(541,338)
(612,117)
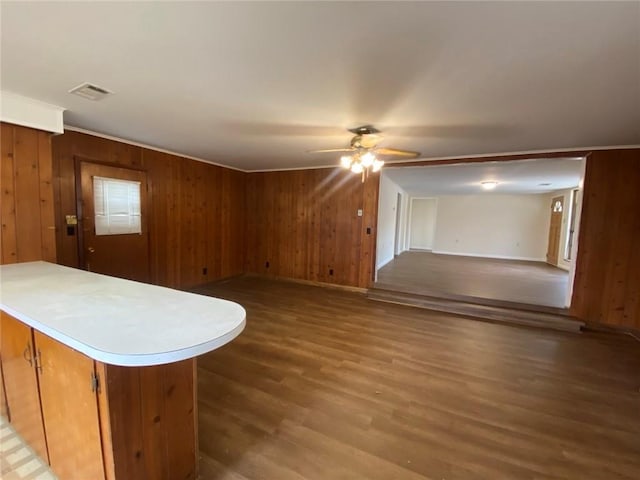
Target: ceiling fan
(363,152)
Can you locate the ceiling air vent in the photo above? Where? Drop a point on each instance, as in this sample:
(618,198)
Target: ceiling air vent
(90,91)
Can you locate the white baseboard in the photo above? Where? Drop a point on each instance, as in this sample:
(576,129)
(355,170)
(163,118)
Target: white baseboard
(383,263)
(486,255)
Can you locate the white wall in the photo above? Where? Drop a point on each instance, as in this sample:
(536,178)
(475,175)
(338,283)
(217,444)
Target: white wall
(499,226)
(422,223)
(387,201)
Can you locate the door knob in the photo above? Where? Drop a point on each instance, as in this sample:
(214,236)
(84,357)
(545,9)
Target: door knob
(91,249)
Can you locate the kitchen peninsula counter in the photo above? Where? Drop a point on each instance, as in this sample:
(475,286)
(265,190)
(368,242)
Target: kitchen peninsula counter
(100,372)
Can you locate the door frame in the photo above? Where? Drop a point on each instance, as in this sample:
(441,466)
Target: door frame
(576,234)
(397,248)
(77,165)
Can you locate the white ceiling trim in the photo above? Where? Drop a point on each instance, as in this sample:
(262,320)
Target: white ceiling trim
(32,113)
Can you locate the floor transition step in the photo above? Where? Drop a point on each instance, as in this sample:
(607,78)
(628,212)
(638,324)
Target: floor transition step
(527,317)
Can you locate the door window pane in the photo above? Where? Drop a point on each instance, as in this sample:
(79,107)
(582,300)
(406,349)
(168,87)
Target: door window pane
(117,206)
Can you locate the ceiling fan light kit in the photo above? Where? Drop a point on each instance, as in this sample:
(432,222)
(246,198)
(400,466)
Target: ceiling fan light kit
(361,163)
(363,149)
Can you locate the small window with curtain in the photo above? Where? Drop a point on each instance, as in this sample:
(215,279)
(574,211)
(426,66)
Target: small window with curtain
(117,206)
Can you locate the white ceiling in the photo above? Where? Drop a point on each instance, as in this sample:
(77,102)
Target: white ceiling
(516,177)
(257,85)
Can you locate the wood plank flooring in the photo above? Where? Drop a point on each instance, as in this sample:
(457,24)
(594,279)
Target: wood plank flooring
(426,273)
(325,384)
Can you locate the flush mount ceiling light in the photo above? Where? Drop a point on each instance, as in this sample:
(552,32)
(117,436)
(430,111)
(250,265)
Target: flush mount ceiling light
(489,185)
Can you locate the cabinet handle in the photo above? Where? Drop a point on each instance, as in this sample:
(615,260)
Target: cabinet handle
(27,354)
(38,359)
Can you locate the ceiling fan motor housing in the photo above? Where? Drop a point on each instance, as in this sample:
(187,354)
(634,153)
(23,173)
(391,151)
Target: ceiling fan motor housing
(365,141)
(365,136)
(365,130)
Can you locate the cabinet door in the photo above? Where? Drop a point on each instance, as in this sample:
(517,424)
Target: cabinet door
(21,385)
(70,411)
(3,399)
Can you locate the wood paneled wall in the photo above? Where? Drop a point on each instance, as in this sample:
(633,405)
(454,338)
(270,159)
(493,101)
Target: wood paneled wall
(27,195)
(607,282)
(196,217)
(304,224)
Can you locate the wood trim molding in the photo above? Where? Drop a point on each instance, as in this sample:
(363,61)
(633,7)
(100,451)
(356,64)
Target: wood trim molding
(494,158)
(28,112)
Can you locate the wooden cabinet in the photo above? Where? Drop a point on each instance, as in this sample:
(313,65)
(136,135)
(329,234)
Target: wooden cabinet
(70,410)
(21,384)
(96,421)
(51,402)
(150,421)
(3,398)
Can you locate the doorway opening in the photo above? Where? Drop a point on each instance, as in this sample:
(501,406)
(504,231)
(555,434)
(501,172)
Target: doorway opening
(422,218)
(484,231)
(573,213)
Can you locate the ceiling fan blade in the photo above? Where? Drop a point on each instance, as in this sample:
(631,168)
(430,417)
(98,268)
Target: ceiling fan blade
(332,150)
(396,153)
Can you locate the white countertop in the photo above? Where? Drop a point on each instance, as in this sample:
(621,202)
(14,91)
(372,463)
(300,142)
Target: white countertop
(116,321)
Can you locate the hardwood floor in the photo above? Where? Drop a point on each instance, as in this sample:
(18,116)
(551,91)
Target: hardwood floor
(325,384)
(427,273)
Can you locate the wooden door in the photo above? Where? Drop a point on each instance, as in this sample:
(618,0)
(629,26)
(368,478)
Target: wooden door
(555,226)
(18,369)
(70,411)
(124,255)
